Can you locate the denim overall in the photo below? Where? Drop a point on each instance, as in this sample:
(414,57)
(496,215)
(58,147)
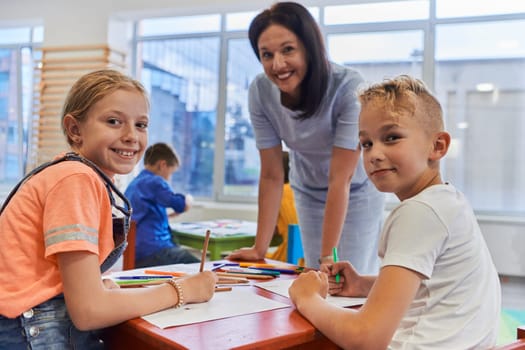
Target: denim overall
(48,326)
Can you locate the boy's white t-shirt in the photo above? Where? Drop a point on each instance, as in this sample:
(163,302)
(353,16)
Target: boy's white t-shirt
(458,305)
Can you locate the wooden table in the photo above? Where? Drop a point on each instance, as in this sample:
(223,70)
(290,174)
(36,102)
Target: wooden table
(241,235)
(281,328)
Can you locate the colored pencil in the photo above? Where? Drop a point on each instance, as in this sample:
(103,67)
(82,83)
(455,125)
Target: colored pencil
(334,252)
(232,280)
(253,264)
(217,267)
(245,275)
(251,271)
(144,277)
(167,273)
(204,250)
(140,283)
(286,271)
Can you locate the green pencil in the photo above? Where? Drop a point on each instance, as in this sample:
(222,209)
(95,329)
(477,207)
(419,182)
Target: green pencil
(334,252)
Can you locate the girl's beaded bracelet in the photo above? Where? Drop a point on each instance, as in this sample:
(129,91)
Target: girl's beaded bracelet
(178,289)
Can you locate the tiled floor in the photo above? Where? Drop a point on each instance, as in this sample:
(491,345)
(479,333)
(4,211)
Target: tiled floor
(513,292)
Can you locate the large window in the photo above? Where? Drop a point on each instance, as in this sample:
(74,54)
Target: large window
(473,57)
(181,76)
(16,73)
(480,80)
(241,161)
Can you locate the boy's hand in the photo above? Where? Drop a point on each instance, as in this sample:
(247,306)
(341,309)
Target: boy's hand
(348,279)
(307,285)
(189,201)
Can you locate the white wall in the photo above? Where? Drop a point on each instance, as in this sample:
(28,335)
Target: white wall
(74,22)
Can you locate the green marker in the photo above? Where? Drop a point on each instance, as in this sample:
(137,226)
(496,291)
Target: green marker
(334,252)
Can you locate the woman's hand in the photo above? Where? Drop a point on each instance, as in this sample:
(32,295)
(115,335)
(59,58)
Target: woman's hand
(198,288)
(245,254)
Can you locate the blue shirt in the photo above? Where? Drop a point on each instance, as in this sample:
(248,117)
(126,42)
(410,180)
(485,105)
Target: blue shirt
(150,195)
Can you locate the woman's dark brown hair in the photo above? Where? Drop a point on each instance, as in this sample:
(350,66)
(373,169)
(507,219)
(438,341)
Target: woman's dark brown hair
(298,20)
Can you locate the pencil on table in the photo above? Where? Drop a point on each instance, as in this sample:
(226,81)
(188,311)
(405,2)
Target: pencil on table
(245,275)
(231,280)
(170,273)
(204,250)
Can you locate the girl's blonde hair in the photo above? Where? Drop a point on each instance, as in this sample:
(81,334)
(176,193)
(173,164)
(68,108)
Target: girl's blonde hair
(91,88)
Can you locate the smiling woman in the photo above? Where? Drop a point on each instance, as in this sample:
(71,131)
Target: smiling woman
(309,103)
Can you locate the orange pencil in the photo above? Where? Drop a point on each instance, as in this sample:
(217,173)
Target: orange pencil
(253,264)
(166,273)
(205,250)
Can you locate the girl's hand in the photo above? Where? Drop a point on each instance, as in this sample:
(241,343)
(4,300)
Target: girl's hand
(198,288)
(109,283)
(308,284)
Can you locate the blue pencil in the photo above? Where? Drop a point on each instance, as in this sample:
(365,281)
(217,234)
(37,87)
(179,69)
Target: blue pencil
(140,277)
(285,271)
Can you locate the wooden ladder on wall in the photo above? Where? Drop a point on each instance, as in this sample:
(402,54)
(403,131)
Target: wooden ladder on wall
(54,74)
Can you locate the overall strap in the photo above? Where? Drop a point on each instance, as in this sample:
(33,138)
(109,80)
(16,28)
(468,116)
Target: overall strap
(110,186)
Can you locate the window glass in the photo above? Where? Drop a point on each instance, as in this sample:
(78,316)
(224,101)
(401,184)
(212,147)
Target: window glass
(483,95)
(376,12)
(314,11)
(241,159)
(239,20)
(13,130)
(463,8)
(15,35)
(485,40)
(180,25)
(181,76)
(379,55)
(38,34)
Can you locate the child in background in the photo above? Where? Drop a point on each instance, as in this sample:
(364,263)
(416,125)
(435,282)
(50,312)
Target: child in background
(57,228)
(437,287)
(150,194)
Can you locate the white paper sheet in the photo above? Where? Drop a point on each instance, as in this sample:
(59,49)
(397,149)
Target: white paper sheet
(239,301)
(280,286)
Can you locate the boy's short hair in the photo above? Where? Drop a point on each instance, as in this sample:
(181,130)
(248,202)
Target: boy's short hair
(404,94)
(161,151)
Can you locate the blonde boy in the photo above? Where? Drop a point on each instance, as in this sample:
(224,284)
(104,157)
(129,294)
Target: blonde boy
(437,287)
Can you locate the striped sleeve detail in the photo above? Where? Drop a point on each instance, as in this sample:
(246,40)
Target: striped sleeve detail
(76,232)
